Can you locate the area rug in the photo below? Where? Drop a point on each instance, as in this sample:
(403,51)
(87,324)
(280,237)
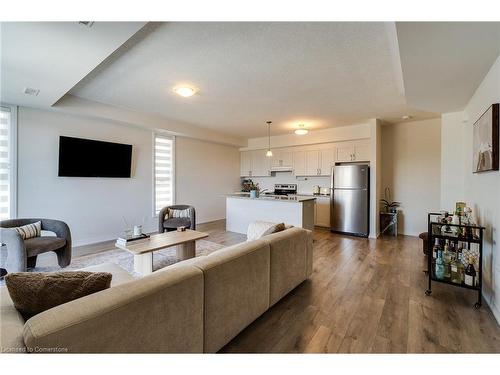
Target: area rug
(161,258)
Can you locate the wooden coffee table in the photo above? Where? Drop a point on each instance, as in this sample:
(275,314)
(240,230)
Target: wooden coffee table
(143,252)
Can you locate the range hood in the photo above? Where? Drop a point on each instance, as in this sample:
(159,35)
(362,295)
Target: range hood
(282,169)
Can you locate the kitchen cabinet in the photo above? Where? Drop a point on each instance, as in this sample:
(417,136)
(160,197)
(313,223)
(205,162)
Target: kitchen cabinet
(312,163)
(307,160)
(362,151)
(345,152)
(306,163)
(322,212)
(245,163)
(254,164)
(260,164)
(299,163)
(327,160)
(353,151)
(282,159)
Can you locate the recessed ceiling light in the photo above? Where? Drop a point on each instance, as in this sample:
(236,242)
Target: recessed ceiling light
(185,91)
(407,117)
(301,130)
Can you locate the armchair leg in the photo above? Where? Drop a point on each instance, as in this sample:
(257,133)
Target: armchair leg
(63,257)
(31,262)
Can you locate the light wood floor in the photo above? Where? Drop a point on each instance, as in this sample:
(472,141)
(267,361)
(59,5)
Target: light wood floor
(366,296)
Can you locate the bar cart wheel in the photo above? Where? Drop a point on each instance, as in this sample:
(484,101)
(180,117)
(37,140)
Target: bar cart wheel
(477,305)
(428,292)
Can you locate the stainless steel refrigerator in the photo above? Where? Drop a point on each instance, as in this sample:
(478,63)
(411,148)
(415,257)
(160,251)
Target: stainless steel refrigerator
(349,202)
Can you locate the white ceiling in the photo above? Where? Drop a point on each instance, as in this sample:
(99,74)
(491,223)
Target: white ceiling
(53,56)
(321,74)
(444,62)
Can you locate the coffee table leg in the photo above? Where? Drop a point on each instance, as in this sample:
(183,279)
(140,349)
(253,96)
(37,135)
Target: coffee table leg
(186,250)
(143,263)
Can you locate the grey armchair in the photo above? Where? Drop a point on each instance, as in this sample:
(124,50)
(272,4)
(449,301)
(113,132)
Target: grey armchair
(22,254)
(166,224)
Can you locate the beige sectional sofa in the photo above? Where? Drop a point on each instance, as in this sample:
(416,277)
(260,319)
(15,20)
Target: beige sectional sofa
(194,306)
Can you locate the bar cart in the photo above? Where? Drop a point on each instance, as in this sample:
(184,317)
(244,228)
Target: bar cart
(471,235)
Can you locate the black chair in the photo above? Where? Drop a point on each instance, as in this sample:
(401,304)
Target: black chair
(172,217)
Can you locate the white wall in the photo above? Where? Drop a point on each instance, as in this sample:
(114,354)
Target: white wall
(411,167)
(205,172)
(482,190)
(452,160)
(94,207)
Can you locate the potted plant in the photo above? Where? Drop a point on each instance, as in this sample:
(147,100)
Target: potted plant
(254,190)
(389,205)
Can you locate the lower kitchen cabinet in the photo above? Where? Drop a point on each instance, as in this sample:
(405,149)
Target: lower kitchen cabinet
(322,212)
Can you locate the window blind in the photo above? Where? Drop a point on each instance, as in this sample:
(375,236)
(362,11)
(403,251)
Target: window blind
(6,158)
(163,172)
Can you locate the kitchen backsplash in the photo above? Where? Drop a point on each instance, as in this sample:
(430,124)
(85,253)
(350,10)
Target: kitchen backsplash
(304,184)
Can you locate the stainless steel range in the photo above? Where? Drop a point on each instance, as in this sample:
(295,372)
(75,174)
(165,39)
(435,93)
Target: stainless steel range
(283,189)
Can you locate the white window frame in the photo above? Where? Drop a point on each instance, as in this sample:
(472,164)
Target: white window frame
(174,180)
(13,158)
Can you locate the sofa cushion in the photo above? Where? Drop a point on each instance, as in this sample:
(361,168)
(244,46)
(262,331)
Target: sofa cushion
(259,229)
(11,325)
(35,292)
(176,222)
(120,276)
(236,290)
(291,260)
(38,245)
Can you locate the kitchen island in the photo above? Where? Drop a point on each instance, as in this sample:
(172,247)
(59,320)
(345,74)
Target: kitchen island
(241,210)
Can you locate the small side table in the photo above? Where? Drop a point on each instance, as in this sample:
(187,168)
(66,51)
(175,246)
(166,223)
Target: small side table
(389,223)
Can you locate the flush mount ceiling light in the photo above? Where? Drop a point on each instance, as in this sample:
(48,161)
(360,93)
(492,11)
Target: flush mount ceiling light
(185,91)
(269,153)
(301,130)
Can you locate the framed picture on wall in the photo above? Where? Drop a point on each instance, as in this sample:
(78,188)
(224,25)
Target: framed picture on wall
(486,140)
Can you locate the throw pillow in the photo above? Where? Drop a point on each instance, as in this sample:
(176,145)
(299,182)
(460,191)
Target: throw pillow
(29,230)
(178,213)
(258,229)
(34,292)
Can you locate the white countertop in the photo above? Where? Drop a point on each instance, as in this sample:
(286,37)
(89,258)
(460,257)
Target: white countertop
(275,198)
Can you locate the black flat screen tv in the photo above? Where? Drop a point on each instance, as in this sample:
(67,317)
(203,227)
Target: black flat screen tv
(88,158)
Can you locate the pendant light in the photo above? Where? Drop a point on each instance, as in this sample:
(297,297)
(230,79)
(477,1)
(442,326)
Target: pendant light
(269,153)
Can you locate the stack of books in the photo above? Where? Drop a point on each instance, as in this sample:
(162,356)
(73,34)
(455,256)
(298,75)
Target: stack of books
(129,240)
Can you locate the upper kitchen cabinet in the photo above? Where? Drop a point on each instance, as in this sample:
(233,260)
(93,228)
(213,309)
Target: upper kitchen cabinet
(260,164)
(282,159)
(362,151)
(327,160)
(306,163)
(353,151)
(345,152)
(245,163)
(299,163)
(254,164)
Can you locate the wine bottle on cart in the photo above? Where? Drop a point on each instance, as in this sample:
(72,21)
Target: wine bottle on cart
(470,273)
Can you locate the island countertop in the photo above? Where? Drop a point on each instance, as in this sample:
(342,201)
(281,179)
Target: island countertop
(273,198)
